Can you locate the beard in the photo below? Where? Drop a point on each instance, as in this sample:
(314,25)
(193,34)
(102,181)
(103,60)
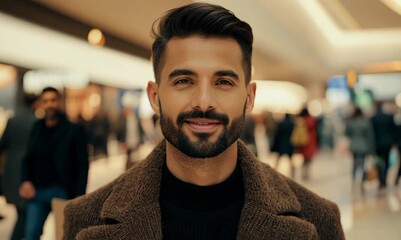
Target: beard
(202,147)
(53,114)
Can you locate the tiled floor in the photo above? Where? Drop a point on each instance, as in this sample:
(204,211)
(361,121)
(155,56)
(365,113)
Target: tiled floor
(370,215)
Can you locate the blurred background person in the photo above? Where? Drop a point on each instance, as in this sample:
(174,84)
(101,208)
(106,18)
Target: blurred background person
(99,129)
(309,150)
(248,134)
(270,128)
(384,131)
(282,140)
(56,163)
(360,133)
(130,133)
(398,143)
(14,144)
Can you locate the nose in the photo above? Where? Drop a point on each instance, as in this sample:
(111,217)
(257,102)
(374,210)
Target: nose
(203,98)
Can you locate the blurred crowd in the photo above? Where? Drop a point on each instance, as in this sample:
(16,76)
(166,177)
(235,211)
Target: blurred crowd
(372,137)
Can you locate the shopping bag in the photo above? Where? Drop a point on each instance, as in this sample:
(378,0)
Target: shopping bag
(371,168)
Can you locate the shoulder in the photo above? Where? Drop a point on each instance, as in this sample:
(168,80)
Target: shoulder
(319,211)
(289,198)
(308,199)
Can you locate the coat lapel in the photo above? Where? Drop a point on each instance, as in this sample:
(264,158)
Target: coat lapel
(270,205)
(132,208)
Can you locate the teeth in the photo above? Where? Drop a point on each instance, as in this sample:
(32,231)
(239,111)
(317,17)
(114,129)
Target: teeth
(200,123)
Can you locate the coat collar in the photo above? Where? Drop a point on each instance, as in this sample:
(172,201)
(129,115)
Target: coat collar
(268,210)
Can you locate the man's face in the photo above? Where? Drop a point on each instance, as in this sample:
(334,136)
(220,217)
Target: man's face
(202,95)
(50,103)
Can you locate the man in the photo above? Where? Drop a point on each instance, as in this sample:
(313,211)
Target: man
(282,140)
(201,182)
(56,163)
(14,143)
(384,129)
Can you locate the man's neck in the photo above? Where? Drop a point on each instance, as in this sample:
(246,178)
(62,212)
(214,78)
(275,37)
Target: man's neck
(202,171)
(51,122)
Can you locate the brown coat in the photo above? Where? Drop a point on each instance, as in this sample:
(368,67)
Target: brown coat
(275,207)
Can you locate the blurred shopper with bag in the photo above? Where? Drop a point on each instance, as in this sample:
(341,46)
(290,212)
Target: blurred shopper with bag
(310,147)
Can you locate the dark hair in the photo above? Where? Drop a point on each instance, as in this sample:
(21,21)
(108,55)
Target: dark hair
(205,20)
(304,112)
(50,89)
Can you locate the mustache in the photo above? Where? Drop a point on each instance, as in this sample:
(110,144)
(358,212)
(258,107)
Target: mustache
(210,114)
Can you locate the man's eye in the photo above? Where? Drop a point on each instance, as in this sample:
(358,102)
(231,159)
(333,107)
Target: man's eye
(225,82)
(182,81)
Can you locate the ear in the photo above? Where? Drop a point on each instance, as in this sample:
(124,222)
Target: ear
(152,91)
(250,100)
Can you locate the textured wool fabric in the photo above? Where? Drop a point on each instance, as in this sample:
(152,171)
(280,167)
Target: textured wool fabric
(275,206)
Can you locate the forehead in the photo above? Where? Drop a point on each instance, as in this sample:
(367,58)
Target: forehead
(203,53)
(49,95)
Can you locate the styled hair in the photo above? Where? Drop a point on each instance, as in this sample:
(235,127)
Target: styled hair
(50,89)
(203,19)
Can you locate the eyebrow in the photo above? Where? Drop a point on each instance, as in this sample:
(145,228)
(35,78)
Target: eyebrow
(180,72)
(227,73)
(224,73)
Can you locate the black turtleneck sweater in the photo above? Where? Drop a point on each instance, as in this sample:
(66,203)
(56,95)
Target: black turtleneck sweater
(201,212)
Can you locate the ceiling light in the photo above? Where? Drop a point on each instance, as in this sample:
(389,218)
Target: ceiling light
(96,37)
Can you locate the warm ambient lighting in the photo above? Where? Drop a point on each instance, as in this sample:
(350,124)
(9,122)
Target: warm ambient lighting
(8,75)
(96,37)
(351,78)
(394,66)
(279,96)
(394,5)
(94,100)
(398,100)
(315,108)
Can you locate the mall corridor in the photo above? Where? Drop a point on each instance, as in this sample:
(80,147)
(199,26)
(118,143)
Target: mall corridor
(365,216)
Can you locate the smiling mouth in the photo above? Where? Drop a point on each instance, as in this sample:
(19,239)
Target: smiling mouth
(202,124)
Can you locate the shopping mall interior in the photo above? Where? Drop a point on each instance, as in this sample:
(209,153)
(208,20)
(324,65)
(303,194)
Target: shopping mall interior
(327,56)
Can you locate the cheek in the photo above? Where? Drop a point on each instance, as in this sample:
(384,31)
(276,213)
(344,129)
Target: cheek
(169,108)
(232,106)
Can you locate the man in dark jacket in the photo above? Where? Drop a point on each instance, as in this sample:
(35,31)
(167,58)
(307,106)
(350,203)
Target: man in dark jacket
(14,143)
(384,131)
(202,182)
(282,140)
(56,164)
